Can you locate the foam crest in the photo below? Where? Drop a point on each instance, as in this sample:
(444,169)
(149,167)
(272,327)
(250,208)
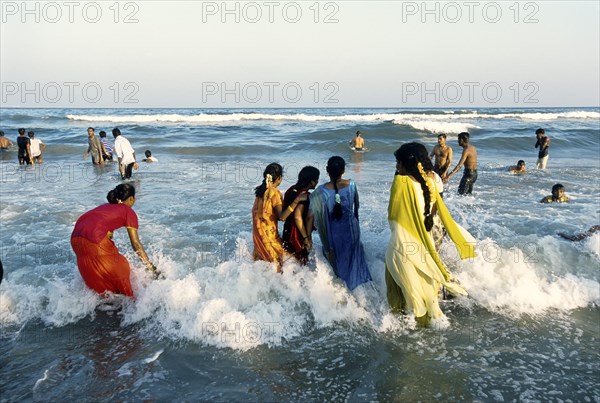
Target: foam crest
(507,283)
(203,118)
(437,126)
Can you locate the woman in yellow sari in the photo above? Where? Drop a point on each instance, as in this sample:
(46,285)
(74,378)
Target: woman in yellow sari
(266,213)
(414,271)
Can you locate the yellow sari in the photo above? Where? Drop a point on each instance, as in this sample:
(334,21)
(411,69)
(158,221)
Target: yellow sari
(267,243)
(414,271)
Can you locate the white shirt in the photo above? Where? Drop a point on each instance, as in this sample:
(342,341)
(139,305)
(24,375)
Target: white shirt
(34,146)
(124,150)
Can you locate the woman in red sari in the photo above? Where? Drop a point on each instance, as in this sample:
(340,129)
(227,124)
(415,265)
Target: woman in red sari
(100,264)
(298,227)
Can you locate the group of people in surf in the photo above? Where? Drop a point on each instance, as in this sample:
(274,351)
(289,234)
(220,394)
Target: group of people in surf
(101,149)
(414,271)
(417,215)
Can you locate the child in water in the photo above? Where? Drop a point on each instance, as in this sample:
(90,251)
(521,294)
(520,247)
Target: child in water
(558,195)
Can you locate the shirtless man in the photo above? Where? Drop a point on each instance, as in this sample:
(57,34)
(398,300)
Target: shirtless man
(357,142)
(469,159)
(443,156)
(4,142)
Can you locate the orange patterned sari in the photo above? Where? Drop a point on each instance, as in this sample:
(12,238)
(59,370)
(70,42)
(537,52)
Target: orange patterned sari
(267,243)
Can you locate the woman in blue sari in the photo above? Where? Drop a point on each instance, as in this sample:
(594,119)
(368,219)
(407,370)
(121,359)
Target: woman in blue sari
(335,207)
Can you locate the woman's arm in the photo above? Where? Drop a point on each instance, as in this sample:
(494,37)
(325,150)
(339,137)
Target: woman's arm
(139,248)
(284,214)
(302,228)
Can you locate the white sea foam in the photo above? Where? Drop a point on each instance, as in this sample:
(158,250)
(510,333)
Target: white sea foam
(506,282)
(203,118)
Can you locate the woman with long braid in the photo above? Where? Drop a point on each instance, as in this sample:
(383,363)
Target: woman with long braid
(335,207)
(414,271)
(266,212)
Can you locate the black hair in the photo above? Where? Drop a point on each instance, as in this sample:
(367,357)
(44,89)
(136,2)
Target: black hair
(121,193)
(557,187)
(520,162)
(464,136)
(30,134)
(1,133)
(442,135)
(116,132)
(91,128)
(147,153)
(358,133)
(307,175)
(540,131)
(102,133)
(409,155)
(276,172)
(21,131)
(336,166)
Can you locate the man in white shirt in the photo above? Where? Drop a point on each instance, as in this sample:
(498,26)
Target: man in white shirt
(125,154)
(36,146)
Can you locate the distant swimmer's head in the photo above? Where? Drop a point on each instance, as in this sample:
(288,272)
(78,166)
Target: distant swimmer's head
(102,134)
(308,177)
(521,164)
(21,131)
(148,153)
(31,134)
(540,132)
(116,132)
(558,191)
(122,194)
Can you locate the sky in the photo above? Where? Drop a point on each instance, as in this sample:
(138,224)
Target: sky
(292,54)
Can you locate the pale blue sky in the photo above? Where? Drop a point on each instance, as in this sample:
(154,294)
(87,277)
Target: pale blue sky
(371,54)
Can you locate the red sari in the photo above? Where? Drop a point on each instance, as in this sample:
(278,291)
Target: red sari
(100,264)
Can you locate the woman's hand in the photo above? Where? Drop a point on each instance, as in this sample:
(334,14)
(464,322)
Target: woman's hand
(307,243)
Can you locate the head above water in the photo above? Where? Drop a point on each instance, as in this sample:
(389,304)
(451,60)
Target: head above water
(148,153)
(520,164)
(558,191)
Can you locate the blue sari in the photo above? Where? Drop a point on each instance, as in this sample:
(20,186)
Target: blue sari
(341,238)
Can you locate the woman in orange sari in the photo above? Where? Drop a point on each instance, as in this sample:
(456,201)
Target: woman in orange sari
(100,264)
(266,212)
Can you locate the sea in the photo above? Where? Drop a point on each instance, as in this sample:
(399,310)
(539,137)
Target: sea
(222,327)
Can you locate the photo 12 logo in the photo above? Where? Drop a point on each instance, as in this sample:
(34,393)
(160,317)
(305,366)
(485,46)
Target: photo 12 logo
(453,12)
(252,12)
(53,12)
(470,92)
(270,92)
(68,93)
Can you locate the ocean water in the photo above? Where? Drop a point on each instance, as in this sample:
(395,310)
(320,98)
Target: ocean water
(223,327)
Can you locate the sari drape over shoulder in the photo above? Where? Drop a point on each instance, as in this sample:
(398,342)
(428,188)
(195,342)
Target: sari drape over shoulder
(414,271)
(341,238)
(267,243)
